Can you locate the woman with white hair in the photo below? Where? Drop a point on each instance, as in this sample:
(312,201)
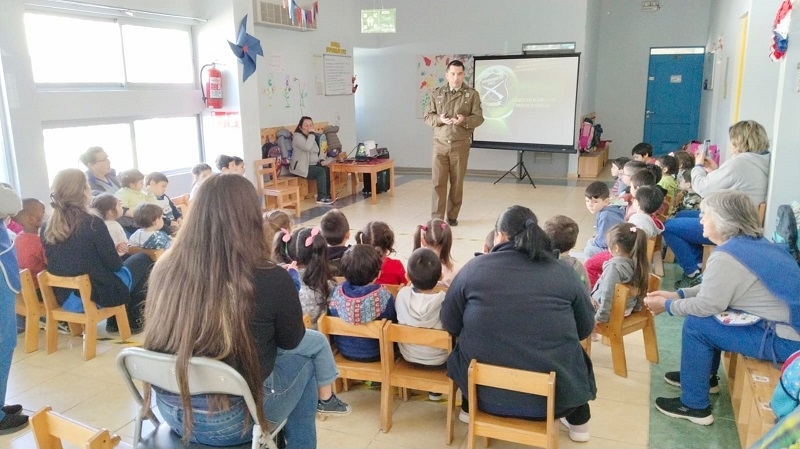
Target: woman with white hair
(746,170)
(749,303)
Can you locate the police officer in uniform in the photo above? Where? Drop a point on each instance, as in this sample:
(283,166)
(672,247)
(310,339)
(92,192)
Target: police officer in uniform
(454,112)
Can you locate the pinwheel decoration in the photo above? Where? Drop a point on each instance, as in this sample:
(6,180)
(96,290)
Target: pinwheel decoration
(246,49)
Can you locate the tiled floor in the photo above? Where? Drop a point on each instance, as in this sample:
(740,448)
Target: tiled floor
(92,392)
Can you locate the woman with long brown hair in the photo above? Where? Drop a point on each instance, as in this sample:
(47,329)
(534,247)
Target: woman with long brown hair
(216,294)
(77,242)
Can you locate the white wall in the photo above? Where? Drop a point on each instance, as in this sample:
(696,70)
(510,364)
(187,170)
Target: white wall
(626,35)
(386,66)
(296,51)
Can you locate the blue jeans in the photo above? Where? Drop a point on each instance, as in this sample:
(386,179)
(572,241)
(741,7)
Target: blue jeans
(684,234)
(316,347)
(8,338)
(290,392)
(704,338)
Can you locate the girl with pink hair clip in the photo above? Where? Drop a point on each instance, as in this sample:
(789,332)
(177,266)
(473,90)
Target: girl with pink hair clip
(305,252)
(437,236)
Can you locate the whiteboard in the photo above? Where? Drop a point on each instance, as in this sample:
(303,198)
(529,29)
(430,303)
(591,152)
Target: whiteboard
(338,74)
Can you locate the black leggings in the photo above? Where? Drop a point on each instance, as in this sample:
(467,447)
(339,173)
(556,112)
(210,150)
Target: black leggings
(575,416)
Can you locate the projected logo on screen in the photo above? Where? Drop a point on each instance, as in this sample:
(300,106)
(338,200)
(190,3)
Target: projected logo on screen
(496,85)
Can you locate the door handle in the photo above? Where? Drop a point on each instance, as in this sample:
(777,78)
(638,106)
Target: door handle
(649,112)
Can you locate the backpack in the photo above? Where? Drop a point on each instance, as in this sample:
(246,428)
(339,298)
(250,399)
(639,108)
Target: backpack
(598,131)
(586,136)
(786,230)
(284,141)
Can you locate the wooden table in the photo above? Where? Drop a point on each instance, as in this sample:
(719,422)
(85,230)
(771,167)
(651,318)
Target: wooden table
(371,167)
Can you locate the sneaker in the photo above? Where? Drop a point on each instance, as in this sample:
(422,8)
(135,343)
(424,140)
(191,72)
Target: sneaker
(579,434)
(674,378)
(324,200)
(333,406)
(14,409)
(12,423)
(111,326)
(63,328)
(463,417)
(674,408)
(434,396)
(688,281)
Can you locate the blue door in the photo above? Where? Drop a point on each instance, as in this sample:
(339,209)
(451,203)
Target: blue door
(672,109)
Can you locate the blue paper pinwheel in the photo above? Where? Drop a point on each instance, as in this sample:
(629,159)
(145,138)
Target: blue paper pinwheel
(246,48)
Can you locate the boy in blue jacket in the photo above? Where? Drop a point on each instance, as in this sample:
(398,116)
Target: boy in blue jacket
(358,301)
(598,202)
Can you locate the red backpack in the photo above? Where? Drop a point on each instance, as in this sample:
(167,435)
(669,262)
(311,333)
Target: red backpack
(587,135)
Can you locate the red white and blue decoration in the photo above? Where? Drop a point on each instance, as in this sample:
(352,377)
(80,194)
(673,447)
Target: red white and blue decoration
(780,31)
(246,49)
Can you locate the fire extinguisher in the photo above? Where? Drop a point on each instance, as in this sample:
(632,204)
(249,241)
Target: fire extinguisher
(212,89)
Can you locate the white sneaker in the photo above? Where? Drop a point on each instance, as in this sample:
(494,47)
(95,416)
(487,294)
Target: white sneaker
(463,417)
(579,434)
(434,396)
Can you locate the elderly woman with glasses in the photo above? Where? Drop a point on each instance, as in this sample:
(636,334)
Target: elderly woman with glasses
(102,178)
(743,305)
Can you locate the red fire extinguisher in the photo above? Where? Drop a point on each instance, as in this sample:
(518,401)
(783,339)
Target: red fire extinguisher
(212,90)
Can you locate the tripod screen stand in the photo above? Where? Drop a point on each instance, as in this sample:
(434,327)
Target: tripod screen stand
(522,171)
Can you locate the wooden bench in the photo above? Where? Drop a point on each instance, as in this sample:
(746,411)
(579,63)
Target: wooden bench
(308,187)
(751,383)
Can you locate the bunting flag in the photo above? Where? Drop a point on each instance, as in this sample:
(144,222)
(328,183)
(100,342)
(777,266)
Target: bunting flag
(302,17)
(780,31)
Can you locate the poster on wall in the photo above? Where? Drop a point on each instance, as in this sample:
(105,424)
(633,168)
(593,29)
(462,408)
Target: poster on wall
(430,75)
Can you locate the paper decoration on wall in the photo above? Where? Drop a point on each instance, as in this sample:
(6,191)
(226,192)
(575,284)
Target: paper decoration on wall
(246,49)
(430,73)
(306,18)
(780,31)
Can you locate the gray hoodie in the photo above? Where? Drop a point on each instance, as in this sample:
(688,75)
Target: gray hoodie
(420,310)
(617,270)
(745,172)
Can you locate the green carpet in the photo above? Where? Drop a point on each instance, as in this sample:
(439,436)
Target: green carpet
(671,433)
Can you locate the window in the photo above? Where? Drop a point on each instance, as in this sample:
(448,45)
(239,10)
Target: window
(163,144)
(72,50)
(166,143)
(67,50)
(157,55)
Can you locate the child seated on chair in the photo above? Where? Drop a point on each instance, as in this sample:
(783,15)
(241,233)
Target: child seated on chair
(380,236)
(156,184)
(149,218)
(628,265)
(418,305)
(358,300)
(599,204)
(643,151)
(624,196)
(437,236)
(648,200)
(563,231)
(109,208)
(669,170)
(691,200)
(131,193)
(336,230)
(30,252)
(617,165)
(200,173)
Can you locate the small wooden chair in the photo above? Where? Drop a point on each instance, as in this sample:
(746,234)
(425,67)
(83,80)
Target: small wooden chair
(154,254)
(283,193)
(620,325)
(654,246)
(348,369)
(521,431)
(89,319)
(182,203)
(49,428)
(399,373)
(28,305)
